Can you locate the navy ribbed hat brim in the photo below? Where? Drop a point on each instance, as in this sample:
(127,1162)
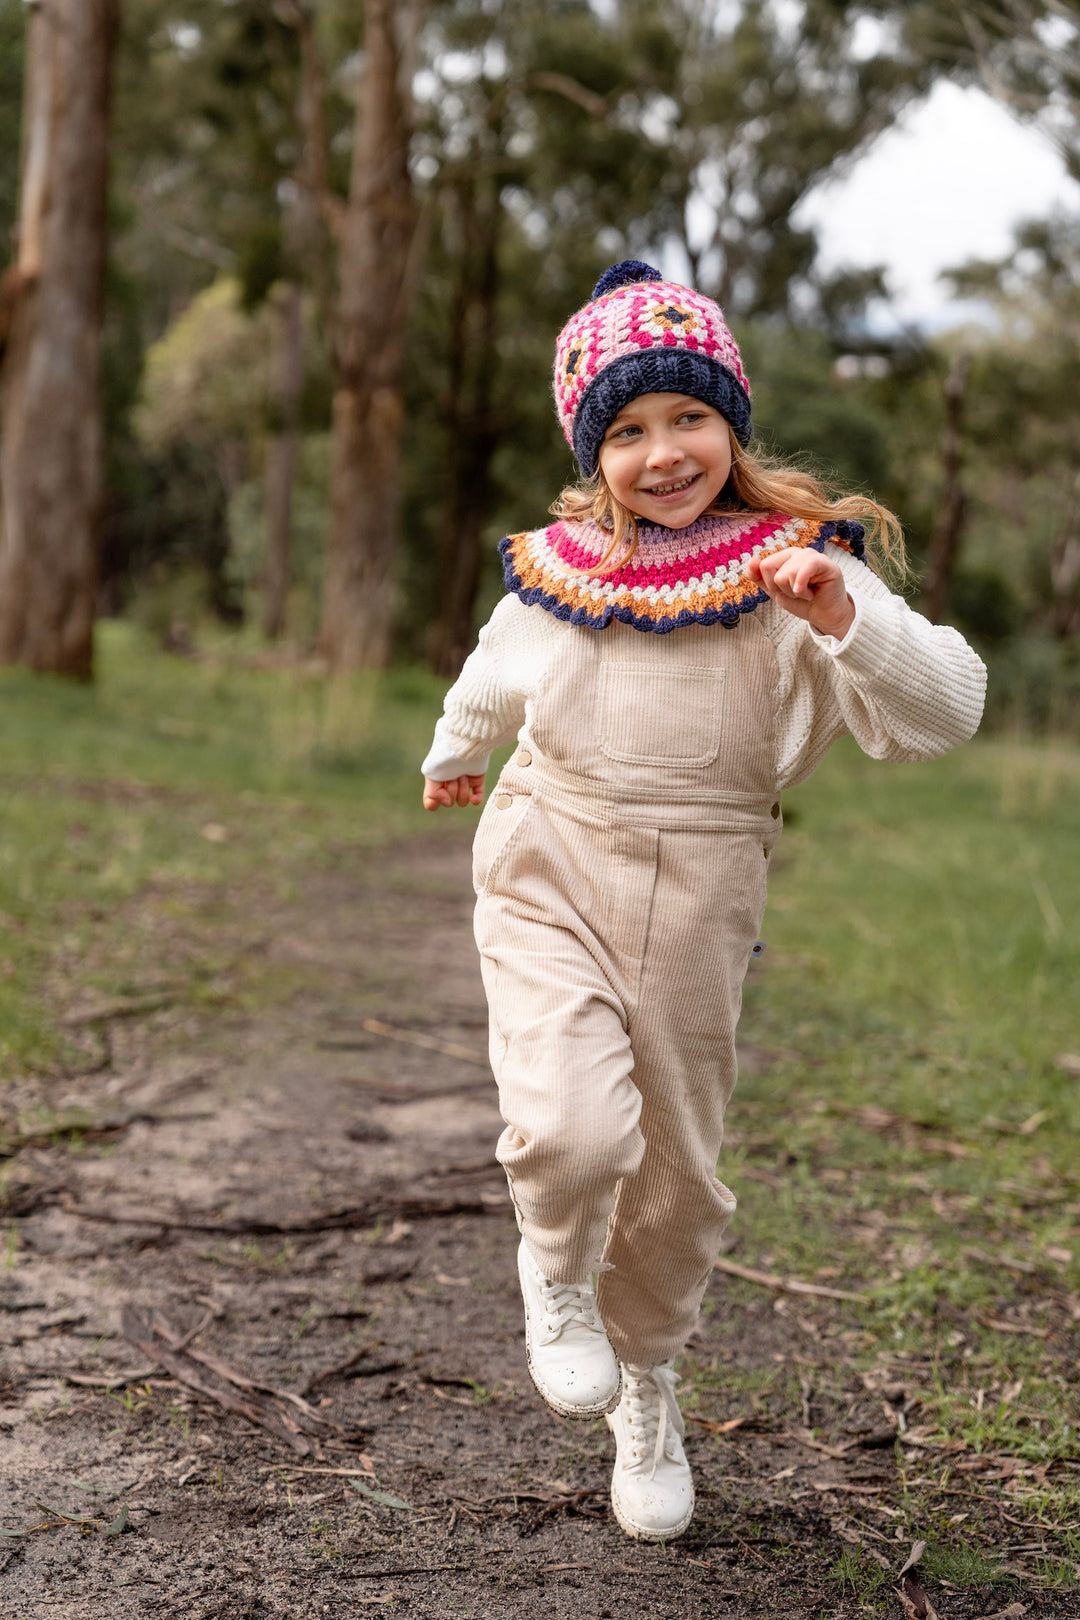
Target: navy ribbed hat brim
(655,371)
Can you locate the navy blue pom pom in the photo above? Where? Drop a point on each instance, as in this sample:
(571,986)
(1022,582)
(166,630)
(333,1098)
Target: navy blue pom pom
(625,274)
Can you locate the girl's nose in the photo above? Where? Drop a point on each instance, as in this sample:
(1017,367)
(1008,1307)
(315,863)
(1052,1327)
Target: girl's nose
(664,452)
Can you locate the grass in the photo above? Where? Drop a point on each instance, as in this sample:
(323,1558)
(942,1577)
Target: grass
(912,1136)
(161,786)
(917,1125)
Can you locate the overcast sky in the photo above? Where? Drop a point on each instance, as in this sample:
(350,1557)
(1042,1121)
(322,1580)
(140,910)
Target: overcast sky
(947,183)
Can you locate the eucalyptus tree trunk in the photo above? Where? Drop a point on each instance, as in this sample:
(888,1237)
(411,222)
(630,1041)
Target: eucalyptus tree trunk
(282,449)
(308,256)
(472,428)
(376,233)
(1065,570)
(51,429)
(952,513)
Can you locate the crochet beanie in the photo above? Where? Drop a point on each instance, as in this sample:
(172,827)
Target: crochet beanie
(640,334)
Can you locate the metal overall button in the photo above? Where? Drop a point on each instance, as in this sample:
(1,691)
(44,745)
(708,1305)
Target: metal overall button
(503,801)
(524,757)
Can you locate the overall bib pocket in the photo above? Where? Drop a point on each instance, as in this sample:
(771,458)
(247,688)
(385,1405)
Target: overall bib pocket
(503,816)
(652,716)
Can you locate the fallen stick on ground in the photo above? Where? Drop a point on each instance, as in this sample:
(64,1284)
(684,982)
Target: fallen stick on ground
(488,1166)
(337,1220)
(312,1418)
(127,1007)
(384,1574)
(286,1416)
(96,1381)
(805,1438)
(364,1465)
(87,1130)
(353,1369)
(389,1095)
(784,1285)
(999,1326)
(725,1427)
(412,1037)
(431,1043)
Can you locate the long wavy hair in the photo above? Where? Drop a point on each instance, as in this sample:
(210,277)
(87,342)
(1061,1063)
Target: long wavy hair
(757,483)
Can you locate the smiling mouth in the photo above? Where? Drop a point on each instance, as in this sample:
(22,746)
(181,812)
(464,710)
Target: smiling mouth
(672,489)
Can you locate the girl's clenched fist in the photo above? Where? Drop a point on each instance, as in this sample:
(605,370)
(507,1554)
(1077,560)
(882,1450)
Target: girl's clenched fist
(809,585)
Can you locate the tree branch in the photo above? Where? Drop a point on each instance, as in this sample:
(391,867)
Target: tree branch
(561,84)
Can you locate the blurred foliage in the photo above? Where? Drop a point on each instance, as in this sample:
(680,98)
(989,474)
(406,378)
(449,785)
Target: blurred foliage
(1026,53)
(553,138)
(1023,426)
(205,377)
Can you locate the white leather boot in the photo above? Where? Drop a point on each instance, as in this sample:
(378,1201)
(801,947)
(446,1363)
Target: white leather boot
(571,1362)
(652,1492)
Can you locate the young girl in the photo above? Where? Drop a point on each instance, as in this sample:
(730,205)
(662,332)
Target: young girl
(685,642)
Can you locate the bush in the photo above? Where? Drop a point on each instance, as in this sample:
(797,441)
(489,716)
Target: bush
(1034,685)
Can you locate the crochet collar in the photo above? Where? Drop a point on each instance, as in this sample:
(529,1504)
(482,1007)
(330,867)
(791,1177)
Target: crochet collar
(676,577)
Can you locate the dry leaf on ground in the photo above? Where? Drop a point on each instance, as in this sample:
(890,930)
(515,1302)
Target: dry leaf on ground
(915,1601)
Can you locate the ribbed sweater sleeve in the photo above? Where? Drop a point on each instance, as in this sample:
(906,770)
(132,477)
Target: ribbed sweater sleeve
(485,707)
(904,688)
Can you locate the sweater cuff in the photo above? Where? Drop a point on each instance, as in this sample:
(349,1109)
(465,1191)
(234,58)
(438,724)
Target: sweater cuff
(867,646)
(444,765)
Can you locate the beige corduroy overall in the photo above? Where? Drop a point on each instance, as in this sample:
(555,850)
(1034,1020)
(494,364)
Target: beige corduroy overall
(620,869)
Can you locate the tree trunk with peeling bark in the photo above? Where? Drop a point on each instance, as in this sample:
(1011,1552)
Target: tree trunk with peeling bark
(376,235)
(51,428)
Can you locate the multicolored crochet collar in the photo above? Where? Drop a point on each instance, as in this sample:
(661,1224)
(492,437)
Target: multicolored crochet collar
(677,577)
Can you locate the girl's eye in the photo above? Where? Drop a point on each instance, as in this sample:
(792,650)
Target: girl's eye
(692,416)
(623,433)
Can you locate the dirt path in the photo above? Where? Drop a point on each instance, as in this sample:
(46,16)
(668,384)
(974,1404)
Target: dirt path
(421,1474)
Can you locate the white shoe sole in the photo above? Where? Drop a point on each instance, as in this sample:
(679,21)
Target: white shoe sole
(584,1413)
(641,1533)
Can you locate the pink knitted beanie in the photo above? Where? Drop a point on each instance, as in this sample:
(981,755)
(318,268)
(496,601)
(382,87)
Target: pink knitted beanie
(640,334)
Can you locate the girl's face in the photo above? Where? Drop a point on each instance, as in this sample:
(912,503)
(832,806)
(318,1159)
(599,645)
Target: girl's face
(666,457)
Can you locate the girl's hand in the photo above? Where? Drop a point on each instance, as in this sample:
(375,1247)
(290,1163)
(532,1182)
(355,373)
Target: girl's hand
(462,790)
(809,585)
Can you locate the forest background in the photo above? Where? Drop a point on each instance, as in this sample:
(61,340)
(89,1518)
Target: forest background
(337,241)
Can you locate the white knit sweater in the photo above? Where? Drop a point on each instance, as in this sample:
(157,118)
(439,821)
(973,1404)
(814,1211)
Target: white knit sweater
(904,688)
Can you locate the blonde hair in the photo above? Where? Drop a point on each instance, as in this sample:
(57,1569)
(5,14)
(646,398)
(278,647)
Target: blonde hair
(757,483)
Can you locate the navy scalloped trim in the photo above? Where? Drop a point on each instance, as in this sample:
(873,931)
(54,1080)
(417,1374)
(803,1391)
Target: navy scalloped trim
(627,273)
(850,532)
(728,616)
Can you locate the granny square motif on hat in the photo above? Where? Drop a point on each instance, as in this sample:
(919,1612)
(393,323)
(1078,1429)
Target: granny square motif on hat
(676,577)
(643,335)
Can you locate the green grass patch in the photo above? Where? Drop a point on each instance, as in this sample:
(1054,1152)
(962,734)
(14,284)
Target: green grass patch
(858,1577)
(915,1137)
(144,802)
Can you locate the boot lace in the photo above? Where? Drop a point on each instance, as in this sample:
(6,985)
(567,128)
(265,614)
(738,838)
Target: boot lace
(652,1415)
(567,1305)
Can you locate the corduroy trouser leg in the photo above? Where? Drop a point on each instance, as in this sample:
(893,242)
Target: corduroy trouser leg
(615,1066)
